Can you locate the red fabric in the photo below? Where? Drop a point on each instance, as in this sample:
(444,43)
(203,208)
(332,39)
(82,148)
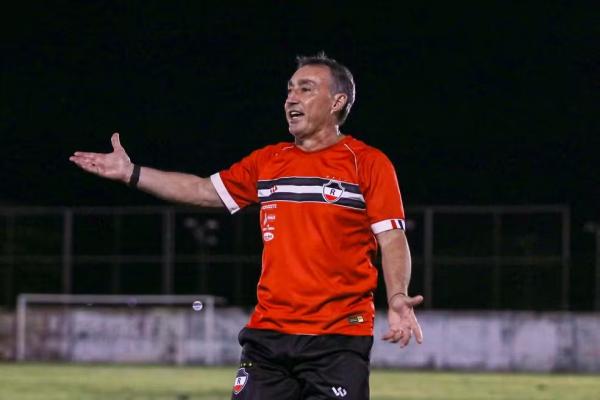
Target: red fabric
(317,271)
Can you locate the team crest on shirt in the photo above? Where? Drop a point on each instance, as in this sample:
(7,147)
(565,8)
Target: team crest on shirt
(332,191)
(240,380)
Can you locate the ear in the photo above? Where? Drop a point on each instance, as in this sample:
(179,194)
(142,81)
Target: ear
(339,101)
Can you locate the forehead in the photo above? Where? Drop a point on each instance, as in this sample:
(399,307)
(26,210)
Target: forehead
(319,74)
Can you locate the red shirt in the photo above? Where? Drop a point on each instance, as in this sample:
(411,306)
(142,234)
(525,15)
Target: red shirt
(319,213)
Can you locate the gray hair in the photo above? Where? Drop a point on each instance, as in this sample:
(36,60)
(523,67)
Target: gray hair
(342,79)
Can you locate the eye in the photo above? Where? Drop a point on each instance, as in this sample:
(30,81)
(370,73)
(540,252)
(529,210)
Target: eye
(306,89)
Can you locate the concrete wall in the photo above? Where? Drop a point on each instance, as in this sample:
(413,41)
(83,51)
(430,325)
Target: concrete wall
(495,341)
(7,329)
(498,341)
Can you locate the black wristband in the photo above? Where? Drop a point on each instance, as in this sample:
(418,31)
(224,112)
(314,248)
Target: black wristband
(135,176)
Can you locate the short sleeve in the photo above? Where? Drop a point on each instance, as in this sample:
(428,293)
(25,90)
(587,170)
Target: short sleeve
(236,185)
(382,193)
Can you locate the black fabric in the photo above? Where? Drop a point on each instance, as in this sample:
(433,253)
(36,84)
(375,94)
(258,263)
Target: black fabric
(276,366)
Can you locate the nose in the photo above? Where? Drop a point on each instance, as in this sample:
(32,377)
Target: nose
(291,98)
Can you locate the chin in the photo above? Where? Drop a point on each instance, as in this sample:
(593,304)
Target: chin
(294,131)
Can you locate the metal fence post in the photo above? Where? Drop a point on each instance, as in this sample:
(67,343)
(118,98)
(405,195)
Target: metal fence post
(67,251)
(115,273)
(566,257)
(21,340)
(168,250)
(10,252)
(597,299)
(497,272)
(428,258)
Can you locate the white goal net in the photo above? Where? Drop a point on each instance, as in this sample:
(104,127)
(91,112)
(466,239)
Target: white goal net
(177,329)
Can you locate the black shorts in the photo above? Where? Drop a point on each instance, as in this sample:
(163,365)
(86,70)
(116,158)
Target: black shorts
(276,366)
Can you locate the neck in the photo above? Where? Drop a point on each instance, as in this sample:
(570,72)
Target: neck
(319,140)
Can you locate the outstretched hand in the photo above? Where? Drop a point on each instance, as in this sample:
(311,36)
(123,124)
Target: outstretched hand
(115,165)
(402,320)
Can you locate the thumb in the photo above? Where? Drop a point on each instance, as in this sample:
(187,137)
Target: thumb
(116,143)
(415,301)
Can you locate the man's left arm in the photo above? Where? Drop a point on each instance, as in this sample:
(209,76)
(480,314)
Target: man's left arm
(396,264)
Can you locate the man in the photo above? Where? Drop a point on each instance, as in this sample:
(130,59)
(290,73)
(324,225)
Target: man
(326,200)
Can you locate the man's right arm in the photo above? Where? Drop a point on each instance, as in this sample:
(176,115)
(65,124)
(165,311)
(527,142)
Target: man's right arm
(179,187)
(170,186)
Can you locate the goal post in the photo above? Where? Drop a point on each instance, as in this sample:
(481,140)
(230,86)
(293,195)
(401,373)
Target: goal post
(178,329)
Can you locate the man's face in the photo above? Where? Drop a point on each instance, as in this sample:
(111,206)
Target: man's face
(308,107)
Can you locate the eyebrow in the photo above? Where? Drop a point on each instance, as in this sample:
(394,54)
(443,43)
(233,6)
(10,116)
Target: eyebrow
(302,82)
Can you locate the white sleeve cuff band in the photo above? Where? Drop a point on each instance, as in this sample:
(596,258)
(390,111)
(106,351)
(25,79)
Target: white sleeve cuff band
(387,225)
(229,202)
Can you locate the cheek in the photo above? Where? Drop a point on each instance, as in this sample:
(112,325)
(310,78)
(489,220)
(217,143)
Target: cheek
(320,109)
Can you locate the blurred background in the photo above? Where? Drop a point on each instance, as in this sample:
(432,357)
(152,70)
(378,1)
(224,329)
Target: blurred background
(488,112)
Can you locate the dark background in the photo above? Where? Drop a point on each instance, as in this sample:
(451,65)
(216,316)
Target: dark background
(476,103)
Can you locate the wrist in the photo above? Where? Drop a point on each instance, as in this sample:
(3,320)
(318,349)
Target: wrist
(402,294)
(134,176)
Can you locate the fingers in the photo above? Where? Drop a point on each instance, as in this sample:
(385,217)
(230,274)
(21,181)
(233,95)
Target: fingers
(86,155)
(90,162)
(405,338)
(392,335)
(115,141)
(402,326)
(403,322)
(401,335)
(416,328)
(108,165)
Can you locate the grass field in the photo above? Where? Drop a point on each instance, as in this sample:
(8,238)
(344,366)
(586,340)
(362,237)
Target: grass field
(86,382)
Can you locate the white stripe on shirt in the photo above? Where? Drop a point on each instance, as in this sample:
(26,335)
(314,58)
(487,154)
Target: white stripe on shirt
(229,202)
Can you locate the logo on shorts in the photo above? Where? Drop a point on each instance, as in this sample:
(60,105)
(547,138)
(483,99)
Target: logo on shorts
(332,191)
(240,380)
(339,391)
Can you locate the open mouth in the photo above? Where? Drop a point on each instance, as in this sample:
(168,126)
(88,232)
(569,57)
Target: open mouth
(295,115)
